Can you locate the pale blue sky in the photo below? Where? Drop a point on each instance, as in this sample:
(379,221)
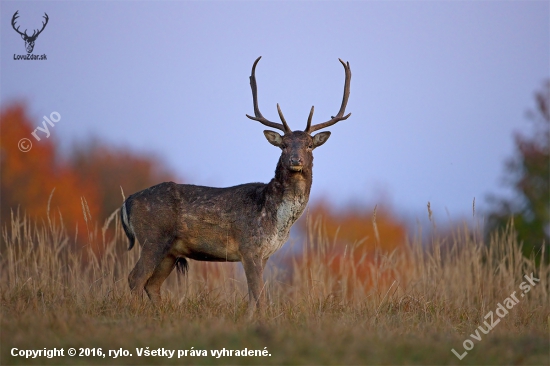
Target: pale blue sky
(438,87)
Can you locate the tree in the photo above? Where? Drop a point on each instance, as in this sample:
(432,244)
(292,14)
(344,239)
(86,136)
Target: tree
(351,246)
(528,174)
(94,172)
(355,226)
(29,178)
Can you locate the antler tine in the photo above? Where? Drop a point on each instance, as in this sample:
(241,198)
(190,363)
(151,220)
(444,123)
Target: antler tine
(340,116)
(258,115)
(285,125)
(308,127)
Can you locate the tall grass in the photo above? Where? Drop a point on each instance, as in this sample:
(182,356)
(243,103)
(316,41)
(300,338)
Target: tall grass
(323,297)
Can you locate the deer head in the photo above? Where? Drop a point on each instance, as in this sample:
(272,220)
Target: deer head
(29,40)
(297,146)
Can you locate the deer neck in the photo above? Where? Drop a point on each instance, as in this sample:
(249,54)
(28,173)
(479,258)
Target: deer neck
(288,192)
(286,198)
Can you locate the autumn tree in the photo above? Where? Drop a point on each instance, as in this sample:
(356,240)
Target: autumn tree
(94,173)
(368,229)
(528,174)
(350,244)
(29,178)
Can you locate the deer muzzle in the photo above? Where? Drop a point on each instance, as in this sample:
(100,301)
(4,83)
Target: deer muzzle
(296,164)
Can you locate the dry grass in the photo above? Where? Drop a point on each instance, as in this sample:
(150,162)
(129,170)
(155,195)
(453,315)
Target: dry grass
(408,306)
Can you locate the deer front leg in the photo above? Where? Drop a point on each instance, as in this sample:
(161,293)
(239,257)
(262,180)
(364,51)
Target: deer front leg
(254,270)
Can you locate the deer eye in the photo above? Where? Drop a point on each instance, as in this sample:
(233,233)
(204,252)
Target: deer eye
(283,146)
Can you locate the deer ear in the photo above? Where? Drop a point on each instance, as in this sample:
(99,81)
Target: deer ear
(320,138)
(273,137)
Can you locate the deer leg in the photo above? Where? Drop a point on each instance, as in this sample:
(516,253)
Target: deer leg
(254,270)
(151,257)
(162,271)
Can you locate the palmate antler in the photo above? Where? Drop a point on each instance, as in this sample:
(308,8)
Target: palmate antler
(309,128)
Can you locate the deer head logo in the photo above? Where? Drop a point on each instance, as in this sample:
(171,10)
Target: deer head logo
(29,40)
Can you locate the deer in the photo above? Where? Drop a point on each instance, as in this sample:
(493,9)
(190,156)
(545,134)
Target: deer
(29,40)
(246,223)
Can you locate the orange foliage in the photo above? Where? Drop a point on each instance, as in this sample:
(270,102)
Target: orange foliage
(353,245)
(28,178)
(94,172)
(355,226)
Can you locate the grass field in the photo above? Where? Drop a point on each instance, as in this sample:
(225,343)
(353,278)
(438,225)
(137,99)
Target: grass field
(413,306)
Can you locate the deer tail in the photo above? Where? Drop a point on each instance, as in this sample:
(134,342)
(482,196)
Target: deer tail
(125,213)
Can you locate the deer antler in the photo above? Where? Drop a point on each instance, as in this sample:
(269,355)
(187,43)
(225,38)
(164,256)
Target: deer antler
(258,115)
(13,19)
(340,116)
(43,26)
(35,34)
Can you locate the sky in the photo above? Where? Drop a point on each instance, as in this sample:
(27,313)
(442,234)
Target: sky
(437,91)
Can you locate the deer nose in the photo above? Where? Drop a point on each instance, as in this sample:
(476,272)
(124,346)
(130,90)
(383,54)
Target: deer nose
(296,160)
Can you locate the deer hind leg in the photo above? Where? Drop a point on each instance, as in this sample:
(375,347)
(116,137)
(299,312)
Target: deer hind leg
(162,271)
(152,255)
(254,270)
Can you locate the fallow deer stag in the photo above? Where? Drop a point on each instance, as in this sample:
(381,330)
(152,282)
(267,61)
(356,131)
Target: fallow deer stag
(246,223)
